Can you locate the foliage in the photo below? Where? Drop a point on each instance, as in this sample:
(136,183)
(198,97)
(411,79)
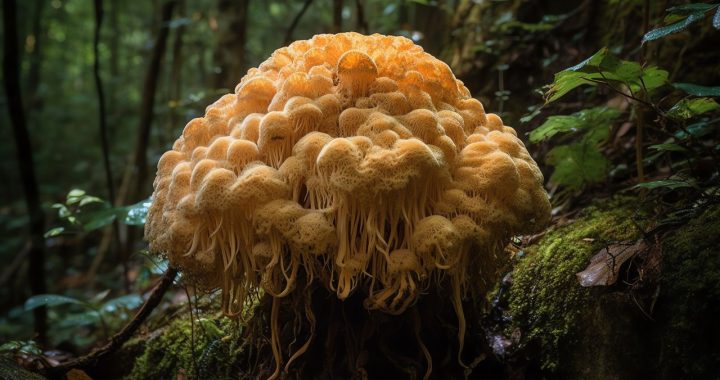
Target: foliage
(605,68)
(84,213)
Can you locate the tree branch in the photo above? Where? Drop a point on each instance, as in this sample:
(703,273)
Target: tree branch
(295,21)
(95,358)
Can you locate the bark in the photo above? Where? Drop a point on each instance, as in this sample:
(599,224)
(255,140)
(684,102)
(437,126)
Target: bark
(337,16)
(11,73)
(176,71)
(148,103)
(229,54)
(360,23)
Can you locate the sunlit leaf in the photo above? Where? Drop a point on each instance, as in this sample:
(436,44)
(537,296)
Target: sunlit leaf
(672,28)
(697,90)
(716,19)
(665,183)
(688,108)
(136,214)
(597,117)
(54,232)
(604,67)
(130,301)
(668,147)
(89,199)
(50,300)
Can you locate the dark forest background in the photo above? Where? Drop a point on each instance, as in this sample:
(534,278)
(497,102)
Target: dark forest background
(95,91)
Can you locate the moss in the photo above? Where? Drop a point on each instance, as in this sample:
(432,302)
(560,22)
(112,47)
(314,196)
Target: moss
(545,297)
(690,299)
(171,350)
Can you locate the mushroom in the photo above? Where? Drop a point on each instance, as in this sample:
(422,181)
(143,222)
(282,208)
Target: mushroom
(360,160)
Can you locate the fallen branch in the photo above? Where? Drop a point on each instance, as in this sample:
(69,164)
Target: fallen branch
(94,358)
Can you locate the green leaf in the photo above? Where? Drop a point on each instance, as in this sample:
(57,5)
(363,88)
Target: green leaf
(697,90)
(688,108)
(50,300)
(54,232)
(603,67)
(668,147)
(76,193)
(90,199)
(135,214)
(672,28)
(130,301)
(696,130)
(75,320)
(579,121)
(98,219)
(665,183)
(577,165)
(691,8)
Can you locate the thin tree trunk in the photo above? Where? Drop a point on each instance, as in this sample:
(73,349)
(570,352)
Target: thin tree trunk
(176,71)
(337,16)
(147,105)
(33,78)
(229,54)
(11,73)
(360,22)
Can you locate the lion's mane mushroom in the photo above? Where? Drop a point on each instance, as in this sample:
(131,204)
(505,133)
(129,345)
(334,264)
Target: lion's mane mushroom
(352,160)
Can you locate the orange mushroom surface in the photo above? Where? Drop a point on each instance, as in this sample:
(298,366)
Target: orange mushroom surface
(356,161)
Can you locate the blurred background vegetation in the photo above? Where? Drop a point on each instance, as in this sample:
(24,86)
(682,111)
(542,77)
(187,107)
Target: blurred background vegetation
(611,96)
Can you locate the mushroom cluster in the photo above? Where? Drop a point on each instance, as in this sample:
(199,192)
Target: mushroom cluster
(359,162)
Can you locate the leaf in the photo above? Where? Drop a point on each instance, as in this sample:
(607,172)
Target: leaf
(698,129)
(130,301)
(697,90)
(668,147)
(577,164)
(98,219)
(135,215)
(716,19)
(605,266)
(75,193)
(74,320)
(54,232)
(90,199)
(671,184)
(689,108)
(672,28)
(604,67)
(686,9)
(50,300)
(578,121)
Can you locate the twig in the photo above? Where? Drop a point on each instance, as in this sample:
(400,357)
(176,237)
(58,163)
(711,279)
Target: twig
(295,21)
(94,358)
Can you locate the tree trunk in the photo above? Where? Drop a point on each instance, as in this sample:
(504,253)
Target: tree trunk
(337,16)
(230,50)
(148,103)
(11,73)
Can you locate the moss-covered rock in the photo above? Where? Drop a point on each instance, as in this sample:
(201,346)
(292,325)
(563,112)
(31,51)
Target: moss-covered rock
(689,302)
(614,332)
(202,350)
(545,298)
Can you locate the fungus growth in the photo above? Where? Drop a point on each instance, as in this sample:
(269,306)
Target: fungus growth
(352,161)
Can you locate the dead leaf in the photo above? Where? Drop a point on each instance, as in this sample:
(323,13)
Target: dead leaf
(77,374)
(605,265)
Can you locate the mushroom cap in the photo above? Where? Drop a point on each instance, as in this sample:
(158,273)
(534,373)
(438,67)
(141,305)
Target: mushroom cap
(351,156)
